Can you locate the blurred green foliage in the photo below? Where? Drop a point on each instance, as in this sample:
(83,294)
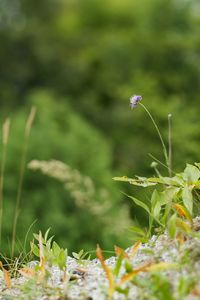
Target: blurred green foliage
(79,62)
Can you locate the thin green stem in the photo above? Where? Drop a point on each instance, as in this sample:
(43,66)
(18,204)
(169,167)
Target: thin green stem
(162,164)
(159,134)
(170,143)
(1,188)
(6,130)
(21,176)
(19,191)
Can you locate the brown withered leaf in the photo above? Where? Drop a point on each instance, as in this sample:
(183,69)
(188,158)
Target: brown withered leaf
(6,275)
(135,249)
(107,270)
(27,272)
(119,251)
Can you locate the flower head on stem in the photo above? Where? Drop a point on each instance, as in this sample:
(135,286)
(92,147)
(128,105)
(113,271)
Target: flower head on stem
(134,100)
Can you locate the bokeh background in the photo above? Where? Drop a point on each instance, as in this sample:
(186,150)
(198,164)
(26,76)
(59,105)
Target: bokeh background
(78,62)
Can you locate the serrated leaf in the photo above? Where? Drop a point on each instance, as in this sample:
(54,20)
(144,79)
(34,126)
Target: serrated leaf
(191,173)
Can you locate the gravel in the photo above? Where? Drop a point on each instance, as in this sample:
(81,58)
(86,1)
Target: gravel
(88,280)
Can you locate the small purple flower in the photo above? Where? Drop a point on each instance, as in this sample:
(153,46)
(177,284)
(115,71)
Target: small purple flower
(134,100)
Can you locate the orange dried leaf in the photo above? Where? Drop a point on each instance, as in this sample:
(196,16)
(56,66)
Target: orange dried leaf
(135,248)
(195,292)
(132,274)
(6,275)
(180,238)
(182,211)
(107,270)
(27,272)
(119,251)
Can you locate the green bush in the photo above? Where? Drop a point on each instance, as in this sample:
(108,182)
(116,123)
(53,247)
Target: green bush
(60,134)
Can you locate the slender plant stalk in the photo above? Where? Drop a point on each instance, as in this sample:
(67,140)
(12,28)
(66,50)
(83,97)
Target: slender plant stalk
(5,136)
(21,176)
(170,143)
(160,136)
(162,164)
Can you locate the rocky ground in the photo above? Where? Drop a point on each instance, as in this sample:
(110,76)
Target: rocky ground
(89,282)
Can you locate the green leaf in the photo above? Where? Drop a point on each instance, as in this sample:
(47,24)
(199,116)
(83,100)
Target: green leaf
(139,203)
(155,204)
(56,249)
(140,181)
(128,266)
(123,291)
(156,180)
(48,242)
(172,226)
(35,249)
(62,259)
(137,230)
(118,264)
(75,255)
(188,198)
(191,173)
(198,165)
(46,234)
(183,225)
(81,253)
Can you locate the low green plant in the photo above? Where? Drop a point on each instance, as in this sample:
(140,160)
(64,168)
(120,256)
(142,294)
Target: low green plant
(81,256)
(49,252)
(155,286)
(171,204)
(116,279)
